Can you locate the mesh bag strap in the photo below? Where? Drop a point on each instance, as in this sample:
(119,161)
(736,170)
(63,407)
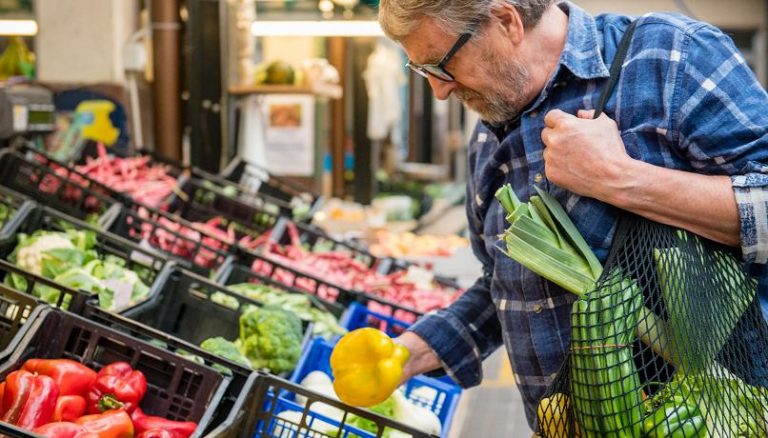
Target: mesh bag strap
(616,66)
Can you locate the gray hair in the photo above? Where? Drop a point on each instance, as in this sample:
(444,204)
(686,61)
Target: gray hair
(398,17)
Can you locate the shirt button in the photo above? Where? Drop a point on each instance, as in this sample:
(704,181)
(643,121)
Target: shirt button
(538,178)
(537,308)
(533,114)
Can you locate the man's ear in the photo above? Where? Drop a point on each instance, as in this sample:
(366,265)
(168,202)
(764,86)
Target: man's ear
(509,21)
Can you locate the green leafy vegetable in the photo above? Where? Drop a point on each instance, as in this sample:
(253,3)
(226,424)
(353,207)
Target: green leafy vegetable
(271,339)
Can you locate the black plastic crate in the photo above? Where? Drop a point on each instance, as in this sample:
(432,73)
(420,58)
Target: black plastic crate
(200,203)
(257,178)
(16,309)
(70,299)
(12,431)
(275,396)
(177,388)
(173,237)
(328,296)
(185,309)
(53,184)
(242,271)
(13,207)
(214,191)
(314,239)
(151,268)
(234,416)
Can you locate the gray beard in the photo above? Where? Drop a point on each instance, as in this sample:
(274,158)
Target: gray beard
(506,99)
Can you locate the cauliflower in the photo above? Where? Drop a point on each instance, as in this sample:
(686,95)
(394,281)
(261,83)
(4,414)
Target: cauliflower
(271,338)
(29,252)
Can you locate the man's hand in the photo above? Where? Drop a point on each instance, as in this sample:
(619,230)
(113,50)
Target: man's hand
(583,155)
(422,358)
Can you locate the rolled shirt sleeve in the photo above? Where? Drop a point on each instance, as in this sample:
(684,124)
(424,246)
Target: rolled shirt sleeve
(723,129)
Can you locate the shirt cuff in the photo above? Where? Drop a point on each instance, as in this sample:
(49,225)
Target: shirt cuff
(456,349)
(751,193)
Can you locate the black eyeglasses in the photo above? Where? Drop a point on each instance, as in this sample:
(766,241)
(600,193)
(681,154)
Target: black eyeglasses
(438,70)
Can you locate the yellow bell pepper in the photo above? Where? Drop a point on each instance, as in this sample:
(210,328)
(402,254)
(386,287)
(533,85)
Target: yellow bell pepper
(367,367)
(553,417)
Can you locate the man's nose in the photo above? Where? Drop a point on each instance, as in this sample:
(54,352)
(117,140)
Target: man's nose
(441,89)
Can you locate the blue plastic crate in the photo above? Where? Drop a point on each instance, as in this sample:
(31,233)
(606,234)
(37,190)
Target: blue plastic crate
(358,316)
(444,402)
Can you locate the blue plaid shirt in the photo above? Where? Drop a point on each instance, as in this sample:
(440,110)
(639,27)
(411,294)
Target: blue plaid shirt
(686,100)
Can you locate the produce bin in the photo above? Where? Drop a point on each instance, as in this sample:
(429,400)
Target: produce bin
(199,187)
(315,239)
(324,295)
(358,316)
(178,388)
(235,415)
(150,267)
(257,178)
(201,203)
(53,184)
(443,400)
(192,246)
(71,299)
(13,207)
(217,192)
(186,309)
(16,310)
(330,293)
(274,396)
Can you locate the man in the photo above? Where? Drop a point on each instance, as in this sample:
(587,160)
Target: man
(683,142)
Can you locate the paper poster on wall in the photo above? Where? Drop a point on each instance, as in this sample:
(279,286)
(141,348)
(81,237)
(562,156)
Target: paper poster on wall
(290,135)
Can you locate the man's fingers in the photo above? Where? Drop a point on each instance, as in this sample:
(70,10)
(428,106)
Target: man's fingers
(554,117)
(546,135)
(586,114)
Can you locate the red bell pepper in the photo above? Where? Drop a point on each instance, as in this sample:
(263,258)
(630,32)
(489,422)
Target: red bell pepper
(38,410)
(69,408)
(116,386)
(158,433)
(72,377)
(17,388)
(110,424)
(2,395)
(60,430)
(144,423)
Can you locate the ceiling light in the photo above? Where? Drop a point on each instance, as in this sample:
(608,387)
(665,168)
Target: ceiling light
(316,28)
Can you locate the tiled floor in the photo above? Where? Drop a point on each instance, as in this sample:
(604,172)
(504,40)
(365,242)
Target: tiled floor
(493,409)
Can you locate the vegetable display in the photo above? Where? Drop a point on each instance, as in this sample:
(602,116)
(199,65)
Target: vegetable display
(390,244)
(51,397)
(270,338)
(145,182)
(405,288)
(397,407)
(200,242)
(323,322)
(70,259)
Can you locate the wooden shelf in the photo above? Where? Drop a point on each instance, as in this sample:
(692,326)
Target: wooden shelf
(327,91)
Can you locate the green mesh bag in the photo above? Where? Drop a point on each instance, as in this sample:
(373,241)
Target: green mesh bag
(667,338)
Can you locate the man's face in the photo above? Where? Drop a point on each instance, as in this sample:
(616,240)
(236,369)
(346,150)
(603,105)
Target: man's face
(488,79)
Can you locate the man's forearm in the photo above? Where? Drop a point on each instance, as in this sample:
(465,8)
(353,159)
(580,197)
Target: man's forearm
(702,204)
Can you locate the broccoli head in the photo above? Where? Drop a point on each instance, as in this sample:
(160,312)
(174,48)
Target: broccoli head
(271,338)
(226,349)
